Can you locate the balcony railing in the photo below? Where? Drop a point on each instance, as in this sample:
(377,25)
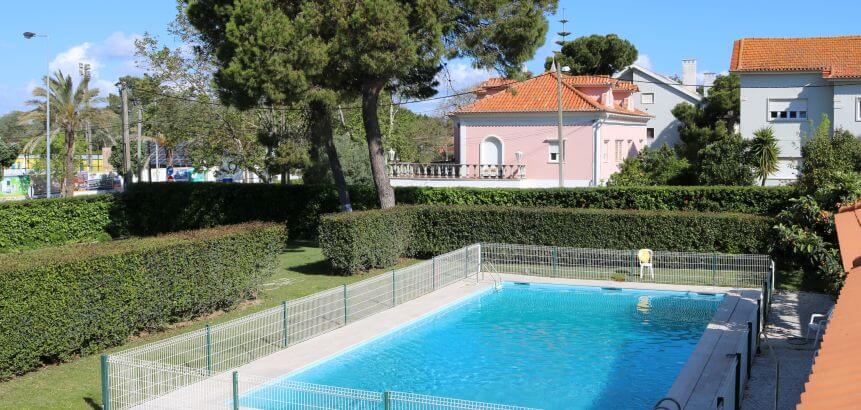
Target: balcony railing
(411,170)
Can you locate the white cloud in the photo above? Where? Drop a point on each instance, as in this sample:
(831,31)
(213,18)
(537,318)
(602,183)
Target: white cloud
(460,76)
(117,45)
(109,59)
(644,61)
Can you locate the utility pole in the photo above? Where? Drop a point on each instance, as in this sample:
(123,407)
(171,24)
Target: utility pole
(559,139)
(89,136)
(140,130)
(127,160)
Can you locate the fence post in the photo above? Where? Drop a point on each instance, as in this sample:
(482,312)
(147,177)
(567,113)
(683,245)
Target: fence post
(345,304)
(285,320)
(235,390)
(208,350)
(394,287)
(749,346)
(554,254)
(633,261)
(106,388)
(433,273)
(387,400)
(465,263)
(714,268)
(759,323)
(737,380)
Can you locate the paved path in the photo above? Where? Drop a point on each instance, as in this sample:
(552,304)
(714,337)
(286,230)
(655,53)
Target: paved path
(790,312)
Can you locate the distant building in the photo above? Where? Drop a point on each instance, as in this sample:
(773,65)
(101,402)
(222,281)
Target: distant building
(658,95)
(508,136)
(787,82)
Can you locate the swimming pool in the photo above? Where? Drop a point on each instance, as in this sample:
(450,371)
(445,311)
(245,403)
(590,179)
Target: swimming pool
(543,346)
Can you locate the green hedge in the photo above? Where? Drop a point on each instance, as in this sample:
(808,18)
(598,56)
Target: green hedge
(169,207)
(56,303)
(748,200)
(357,241)
(43,222)
(147,209)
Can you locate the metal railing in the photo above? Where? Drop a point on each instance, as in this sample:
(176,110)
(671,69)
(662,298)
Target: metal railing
(415,170)
(235,391)
(680,268)
(140,374)
(169,368)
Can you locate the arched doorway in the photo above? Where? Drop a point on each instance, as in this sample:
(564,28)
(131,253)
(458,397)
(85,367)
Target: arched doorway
(491,151)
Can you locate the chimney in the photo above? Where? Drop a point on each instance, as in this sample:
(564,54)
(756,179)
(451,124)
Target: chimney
(689,74)
(608,97)
(708,82)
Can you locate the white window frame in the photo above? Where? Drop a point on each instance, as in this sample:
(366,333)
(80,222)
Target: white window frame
(550,145)
(619,151)
(644,100)
(787,115)
(858,109)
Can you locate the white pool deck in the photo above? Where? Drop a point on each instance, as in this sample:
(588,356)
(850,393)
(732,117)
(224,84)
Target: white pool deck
(215,392)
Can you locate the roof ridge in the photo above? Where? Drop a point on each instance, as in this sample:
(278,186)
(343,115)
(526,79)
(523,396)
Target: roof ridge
(802,38)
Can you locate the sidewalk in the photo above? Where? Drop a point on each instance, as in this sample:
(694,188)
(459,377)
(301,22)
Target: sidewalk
(790,312)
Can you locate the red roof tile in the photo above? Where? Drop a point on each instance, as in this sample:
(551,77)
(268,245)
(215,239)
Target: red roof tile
(835,57)
(600,81)
(835,381)
(538,94)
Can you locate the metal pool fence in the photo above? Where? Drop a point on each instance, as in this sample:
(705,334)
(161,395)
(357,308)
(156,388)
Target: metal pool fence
(235,390)
(147,375)
(680,268)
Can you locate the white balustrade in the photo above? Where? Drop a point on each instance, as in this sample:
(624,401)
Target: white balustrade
(413,170)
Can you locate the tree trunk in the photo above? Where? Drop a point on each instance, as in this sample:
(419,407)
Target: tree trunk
(371,122)
(321,130)
(69,164)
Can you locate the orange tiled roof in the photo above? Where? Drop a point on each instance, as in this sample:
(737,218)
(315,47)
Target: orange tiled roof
(538,94)
(601,81)
(835,381)
(835,57)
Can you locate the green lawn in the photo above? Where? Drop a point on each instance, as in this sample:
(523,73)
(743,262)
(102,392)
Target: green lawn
(301,271)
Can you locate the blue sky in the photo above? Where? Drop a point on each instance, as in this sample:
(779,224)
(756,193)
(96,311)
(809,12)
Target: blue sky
(102,32)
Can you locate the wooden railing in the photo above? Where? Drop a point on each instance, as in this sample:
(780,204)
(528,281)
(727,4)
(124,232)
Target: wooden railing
(411,170)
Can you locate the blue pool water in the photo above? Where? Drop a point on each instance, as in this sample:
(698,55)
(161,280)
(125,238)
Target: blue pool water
(544,346)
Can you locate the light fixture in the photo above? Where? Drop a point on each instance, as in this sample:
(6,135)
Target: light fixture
(391,155)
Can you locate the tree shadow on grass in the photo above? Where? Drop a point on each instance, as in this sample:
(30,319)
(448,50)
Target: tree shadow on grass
(92,403)
(316,268)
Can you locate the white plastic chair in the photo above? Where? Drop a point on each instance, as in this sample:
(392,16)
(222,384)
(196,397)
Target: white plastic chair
(817,323)
(645,257)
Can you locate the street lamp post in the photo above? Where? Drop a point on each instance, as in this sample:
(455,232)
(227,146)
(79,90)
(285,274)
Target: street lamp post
(29,35)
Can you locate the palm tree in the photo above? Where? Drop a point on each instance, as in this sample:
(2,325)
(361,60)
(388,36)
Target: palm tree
(70,106)
(764,153)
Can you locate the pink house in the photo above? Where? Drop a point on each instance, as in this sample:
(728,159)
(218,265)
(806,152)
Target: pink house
(508,137)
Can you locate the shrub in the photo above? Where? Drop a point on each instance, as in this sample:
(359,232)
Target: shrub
(43,222)
(354,242)
(149,209)
(751,200)
(357,240)
(169,207)
(56,303)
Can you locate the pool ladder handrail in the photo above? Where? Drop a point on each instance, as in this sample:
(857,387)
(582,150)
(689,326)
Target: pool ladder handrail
(494,275)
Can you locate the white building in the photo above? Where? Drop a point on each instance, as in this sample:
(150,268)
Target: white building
(786,82)
(658,96)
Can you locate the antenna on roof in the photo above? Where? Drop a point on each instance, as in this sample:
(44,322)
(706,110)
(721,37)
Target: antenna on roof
(562,33)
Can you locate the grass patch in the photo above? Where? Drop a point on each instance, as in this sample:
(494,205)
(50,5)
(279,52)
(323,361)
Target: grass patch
(302,270)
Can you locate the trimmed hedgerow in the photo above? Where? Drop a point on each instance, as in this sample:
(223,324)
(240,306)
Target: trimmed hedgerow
(357,241)
(56,303)
(749,200)
(45,222)
(148,209)
(169,207)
